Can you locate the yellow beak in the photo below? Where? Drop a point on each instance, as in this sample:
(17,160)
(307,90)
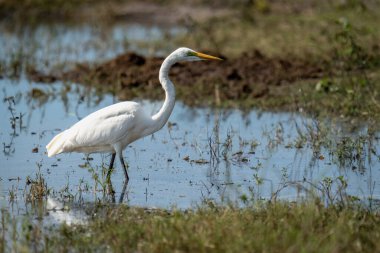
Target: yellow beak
(207,57)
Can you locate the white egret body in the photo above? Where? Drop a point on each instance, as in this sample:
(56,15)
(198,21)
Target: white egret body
(111,129)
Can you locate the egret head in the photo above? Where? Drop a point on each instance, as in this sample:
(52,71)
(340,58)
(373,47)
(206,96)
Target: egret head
(187,54)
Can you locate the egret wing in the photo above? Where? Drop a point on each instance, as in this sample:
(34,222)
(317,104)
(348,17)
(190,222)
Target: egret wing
(104,127)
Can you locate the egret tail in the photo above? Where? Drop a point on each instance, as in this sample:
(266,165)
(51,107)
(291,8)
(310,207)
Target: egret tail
(55,146)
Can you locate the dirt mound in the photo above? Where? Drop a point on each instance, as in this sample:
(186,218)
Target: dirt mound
(250,76)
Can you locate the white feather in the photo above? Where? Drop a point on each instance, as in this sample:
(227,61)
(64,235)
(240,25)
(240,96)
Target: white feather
(112,128)
(99,131)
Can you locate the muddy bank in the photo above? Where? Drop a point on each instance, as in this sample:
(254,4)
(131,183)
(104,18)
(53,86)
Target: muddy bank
(251,76)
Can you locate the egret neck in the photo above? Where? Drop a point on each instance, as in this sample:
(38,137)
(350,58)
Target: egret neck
(114,127)
(163,114)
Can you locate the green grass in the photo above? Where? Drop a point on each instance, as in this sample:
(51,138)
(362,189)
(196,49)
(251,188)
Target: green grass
(341,41)
(307,33)
(341,98)
(307,227)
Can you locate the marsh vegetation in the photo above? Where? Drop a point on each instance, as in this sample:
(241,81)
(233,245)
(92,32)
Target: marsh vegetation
(276,149)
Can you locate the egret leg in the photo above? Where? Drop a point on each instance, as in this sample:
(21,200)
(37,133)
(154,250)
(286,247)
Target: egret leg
(111,191)
(121,199)
(111,166)
(125,169)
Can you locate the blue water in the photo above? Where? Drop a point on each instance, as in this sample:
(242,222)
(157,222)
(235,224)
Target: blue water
(58,46)
(160,177)
(202,155)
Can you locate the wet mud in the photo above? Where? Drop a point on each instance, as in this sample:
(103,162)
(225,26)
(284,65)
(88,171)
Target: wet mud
(253,75)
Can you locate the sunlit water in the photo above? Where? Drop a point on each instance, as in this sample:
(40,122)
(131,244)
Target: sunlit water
(57,45)
(161,175)
(202,155)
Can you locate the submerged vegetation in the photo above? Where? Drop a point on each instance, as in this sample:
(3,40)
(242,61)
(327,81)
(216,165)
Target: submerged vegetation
(325,218)
(315,58)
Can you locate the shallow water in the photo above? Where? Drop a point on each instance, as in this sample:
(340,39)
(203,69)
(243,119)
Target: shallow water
(60,46)
(201,155)
(257,163)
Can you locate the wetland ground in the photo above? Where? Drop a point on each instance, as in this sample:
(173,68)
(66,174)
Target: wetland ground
(277,148)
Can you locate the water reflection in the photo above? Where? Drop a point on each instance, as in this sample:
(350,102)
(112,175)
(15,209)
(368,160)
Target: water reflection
(225,156)
(59,46)
(59,213)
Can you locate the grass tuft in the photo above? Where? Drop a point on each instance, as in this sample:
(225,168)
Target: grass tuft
(276,227)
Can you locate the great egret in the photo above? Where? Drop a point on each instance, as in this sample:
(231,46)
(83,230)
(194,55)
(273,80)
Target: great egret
(114,127)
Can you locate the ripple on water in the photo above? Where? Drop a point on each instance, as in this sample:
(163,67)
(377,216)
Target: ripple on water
(203,154)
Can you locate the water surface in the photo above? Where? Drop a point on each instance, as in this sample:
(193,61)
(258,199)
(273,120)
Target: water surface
(202,154)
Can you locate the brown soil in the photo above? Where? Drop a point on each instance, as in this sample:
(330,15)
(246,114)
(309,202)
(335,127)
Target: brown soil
(252,75)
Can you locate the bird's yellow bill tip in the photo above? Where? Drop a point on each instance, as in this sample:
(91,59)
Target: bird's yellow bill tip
(207,57)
